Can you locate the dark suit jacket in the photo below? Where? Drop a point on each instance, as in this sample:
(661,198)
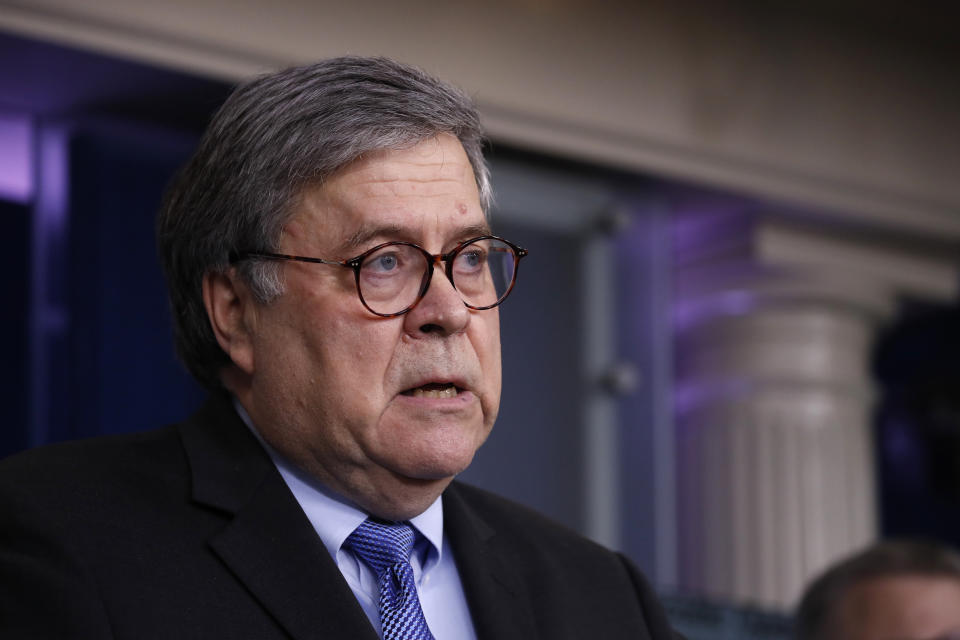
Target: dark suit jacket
(190,532)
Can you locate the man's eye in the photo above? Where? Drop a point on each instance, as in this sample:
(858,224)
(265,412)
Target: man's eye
(383,263)
(470,260)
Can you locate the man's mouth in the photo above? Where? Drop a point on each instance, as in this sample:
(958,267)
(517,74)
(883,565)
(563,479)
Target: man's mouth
(434,390)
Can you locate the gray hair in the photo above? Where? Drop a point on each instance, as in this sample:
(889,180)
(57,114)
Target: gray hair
(274,136)
(815,616)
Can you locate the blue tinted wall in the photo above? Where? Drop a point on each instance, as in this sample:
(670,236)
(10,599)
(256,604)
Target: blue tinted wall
(87,339)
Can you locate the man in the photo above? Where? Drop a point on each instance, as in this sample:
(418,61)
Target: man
(891,591)
(334,283)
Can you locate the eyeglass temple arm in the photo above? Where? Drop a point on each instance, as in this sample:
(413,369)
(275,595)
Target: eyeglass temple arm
(282,256)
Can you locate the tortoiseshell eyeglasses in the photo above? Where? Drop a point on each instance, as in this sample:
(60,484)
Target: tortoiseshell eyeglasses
(394,276)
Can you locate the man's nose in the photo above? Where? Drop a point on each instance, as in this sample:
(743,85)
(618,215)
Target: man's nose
(441,310)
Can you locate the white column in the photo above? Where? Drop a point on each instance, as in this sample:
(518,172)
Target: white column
(774,331)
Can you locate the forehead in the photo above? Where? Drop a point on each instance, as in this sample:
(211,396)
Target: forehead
(432,166)
(903,607)
(403,193)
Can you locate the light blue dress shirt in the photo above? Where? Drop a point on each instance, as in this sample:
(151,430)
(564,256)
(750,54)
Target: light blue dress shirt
(434,569)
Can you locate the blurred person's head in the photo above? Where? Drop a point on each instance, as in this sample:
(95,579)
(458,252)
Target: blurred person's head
(891,591)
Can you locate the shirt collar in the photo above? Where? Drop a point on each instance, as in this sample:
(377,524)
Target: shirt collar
(334,517)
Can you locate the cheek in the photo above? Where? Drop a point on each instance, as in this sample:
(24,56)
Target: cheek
(488,351)
(324,351)
(493,340)
(357,353)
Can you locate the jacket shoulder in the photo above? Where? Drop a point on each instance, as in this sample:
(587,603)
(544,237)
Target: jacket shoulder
(565,574)
(517,521)
(105,461)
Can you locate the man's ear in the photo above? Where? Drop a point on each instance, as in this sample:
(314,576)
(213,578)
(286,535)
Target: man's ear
(232,313)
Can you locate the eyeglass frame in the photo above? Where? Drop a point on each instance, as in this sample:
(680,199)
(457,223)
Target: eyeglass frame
(433,259)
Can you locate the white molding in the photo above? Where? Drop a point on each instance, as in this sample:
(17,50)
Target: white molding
(143,44)
(613,125)
(901,270)
(883,208)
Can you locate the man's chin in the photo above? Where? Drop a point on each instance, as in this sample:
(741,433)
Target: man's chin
(405,497)
(427,450)
(425,476)
(434,466)
(409,483)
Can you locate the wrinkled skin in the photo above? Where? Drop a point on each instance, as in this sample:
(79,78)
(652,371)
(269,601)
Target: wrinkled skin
(323,379)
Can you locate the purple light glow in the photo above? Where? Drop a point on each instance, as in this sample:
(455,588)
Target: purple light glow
(50,212)
(691,396)
(689,313)
(16,158)
(48,308)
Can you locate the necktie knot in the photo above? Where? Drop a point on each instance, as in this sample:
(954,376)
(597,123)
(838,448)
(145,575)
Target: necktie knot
(382,544)
(385,547)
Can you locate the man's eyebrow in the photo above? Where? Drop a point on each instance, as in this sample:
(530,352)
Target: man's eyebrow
(362,236)
(472,231)
(366,234)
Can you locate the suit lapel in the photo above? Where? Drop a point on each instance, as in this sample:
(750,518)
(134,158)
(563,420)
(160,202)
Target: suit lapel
(267,543)
(274,551)
(499,602)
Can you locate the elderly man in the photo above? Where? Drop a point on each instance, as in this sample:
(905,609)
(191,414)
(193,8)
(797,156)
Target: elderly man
(899,590)
(334,283)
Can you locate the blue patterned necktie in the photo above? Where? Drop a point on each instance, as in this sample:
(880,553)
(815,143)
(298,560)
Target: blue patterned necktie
(385,548)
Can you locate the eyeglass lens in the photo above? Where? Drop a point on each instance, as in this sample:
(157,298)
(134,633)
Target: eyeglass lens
(391,278)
